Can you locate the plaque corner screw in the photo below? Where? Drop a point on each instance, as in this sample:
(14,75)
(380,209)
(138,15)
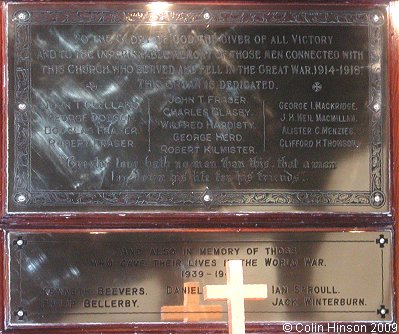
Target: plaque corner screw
(377,107)
(20,313)
(21,198)
(377,199)
(207,198)
(382,311)
(377,18)
(22,106)
(20,242)
(22,16)
(207,16)
(382,241)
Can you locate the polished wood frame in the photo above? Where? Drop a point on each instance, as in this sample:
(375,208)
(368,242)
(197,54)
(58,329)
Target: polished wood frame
(185,222)
(174,216)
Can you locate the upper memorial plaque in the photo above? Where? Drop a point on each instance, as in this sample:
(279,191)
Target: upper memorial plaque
(201,108)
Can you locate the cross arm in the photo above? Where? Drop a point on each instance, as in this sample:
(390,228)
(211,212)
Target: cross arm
(216,292)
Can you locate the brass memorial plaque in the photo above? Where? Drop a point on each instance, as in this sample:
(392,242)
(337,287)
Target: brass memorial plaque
(206,108)
(102,277)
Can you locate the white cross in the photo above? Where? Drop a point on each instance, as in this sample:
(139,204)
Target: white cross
(235,292)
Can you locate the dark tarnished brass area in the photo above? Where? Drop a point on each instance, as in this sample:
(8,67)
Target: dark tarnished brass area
(114,277)
(173,107)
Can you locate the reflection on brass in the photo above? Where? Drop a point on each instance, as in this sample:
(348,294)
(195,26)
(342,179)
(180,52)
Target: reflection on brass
(191,310)
(175,108)
(114,277)
(235,293)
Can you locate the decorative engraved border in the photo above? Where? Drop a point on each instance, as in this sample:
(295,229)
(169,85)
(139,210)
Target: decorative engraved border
(213,17)
(22,90)
(24,197)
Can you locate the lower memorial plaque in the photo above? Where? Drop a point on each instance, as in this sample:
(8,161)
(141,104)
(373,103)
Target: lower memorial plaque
(182,107)
(121,277)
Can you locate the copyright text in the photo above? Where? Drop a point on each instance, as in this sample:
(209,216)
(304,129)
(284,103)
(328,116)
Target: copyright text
(333,327)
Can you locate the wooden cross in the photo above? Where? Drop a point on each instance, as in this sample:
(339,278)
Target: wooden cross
(235,292)
(191,310)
